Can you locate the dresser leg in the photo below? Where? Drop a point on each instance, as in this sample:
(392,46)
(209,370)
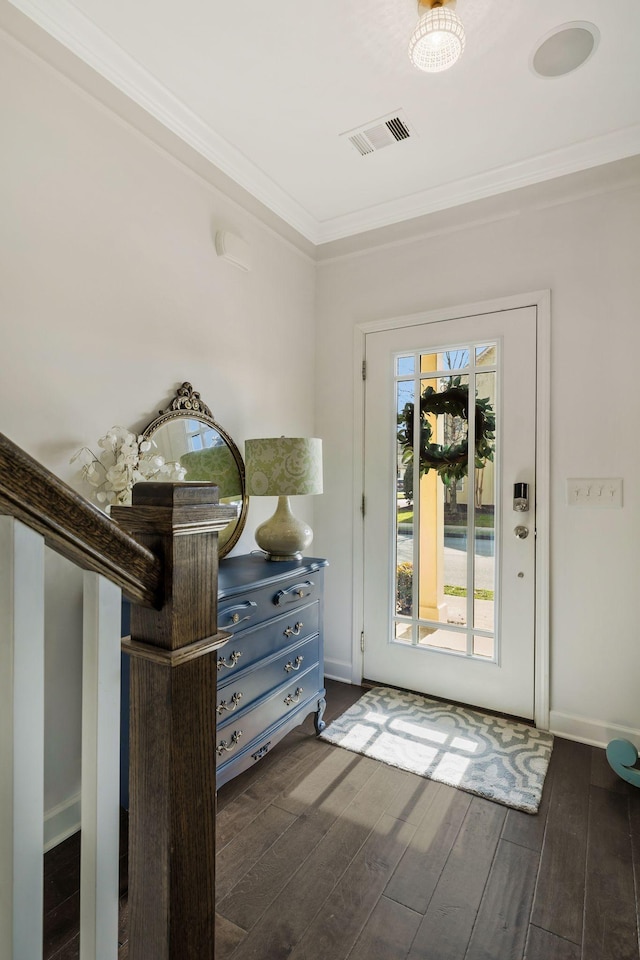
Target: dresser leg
(317,720)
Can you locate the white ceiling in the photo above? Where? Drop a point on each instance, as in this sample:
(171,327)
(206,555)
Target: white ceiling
(265,90)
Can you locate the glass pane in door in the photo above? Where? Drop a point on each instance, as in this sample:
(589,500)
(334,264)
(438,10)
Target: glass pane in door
(484,500)
(403,506)
(443,535)
(444,504)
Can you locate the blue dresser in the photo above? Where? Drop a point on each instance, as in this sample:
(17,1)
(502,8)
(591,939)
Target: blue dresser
(270,671)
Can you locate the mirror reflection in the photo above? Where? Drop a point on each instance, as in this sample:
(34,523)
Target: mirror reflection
(187,434)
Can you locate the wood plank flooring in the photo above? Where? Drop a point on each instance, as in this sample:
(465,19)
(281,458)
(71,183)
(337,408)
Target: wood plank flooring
(327,855)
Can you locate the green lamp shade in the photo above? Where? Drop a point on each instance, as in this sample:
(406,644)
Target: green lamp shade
(215,464)
(283,466)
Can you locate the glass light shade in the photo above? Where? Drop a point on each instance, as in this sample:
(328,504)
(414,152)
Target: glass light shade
(437,41)
(283,466)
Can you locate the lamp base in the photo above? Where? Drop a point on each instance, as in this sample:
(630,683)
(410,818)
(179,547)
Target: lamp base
(283,536)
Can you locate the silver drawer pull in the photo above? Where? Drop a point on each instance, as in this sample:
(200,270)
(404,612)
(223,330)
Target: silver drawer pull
(223,705)
(293,697)
(235,656)
(226,747)
(232,614)
(291,594)
(259,754)
(294,631)
(288,667)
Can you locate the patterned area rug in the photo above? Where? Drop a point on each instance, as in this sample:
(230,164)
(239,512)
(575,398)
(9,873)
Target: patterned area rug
(491,757)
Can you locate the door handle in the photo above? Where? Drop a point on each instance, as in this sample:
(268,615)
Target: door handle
(521,532)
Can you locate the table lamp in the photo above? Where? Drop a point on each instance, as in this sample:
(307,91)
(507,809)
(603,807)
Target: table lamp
(283,467)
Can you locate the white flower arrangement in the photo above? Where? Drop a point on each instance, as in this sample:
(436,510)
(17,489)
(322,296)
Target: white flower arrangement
(125,460)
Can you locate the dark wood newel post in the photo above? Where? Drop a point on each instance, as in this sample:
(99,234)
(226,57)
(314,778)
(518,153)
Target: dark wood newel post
(173,726)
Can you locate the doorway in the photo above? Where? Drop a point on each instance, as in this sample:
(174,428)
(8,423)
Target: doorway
(452,593)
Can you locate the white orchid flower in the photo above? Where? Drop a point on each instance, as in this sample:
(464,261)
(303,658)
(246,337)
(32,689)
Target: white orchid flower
(84,457)
(128,456)
(93,477)
(118,477)
(110,440)
(125,460)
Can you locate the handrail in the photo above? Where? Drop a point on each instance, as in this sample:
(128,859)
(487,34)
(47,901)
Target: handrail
(171,574)
(76,528)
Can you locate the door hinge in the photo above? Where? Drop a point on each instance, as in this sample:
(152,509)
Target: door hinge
(362,505)
(362,642)
(364,369)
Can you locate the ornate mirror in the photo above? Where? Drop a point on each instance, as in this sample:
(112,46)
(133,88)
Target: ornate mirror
(186,433)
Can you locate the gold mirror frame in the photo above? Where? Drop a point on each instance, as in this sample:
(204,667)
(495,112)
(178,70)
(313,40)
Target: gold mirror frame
(188,405)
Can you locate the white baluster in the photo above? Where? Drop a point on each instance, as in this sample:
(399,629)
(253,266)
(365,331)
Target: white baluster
(21,740)
(100,770)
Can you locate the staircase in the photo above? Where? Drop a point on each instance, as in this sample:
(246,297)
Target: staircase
(161,553)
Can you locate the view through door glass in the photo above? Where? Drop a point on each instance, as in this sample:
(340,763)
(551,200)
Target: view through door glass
(445,500)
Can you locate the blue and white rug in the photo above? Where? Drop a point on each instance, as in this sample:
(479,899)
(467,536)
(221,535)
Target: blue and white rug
(491,757)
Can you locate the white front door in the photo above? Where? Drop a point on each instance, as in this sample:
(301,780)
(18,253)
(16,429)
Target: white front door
(449,585)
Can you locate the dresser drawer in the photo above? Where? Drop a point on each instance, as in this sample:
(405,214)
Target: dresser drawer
(255,606)
(238,732)
(238,692)
(252,645)
(271,670)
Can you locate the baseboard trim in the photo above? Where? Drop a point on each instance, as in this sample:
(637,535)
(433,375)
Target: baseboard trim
(61,821)
(338,670)
(598,733)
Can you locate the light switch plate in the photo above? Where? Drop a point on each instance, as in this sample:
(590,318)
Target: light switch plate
(595,492)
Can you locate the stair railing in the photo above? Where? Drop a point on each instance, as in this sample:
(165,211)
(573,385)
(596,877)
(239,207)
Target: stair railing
(169,572)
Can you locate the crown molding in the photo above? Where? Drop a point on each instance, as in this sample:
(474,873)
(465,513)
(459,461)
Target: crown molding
(580,156)
(68,25)
(76,32)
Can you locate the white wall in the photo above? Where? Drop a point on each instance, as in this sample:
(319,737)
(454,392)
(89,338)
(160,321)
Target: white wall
(586,253)
(111,295)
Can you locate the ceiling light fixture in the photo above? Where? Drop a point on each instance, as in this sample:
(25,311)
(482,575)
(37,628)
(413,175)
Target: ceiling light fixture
(438,39)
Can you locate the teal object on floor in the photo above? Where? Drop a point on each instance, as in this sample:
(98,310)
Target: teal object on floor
(623,757)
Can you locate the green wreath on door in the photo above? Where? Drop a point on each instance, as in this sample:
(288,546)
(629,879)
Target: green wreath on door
(450,461)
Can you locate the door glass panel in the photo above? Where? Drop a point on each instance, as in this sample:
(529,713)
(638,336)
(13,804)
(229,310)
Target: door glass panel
(483,647)
(486,355)
(445,501)
(456,359)
(404,631)
(443,517)
(405,391)
(442,639)
(484,503)
(406,366)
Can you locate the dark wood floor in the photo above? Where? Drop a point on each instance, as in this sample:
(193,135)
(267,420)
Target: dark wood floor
(327,855)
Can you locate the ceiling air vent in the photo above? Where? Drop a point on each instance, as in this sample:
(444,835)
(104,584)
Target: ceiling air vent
(380,133)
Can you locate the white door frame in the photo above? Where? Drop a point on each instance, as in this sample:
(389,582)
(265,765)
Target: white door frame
(540,299)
